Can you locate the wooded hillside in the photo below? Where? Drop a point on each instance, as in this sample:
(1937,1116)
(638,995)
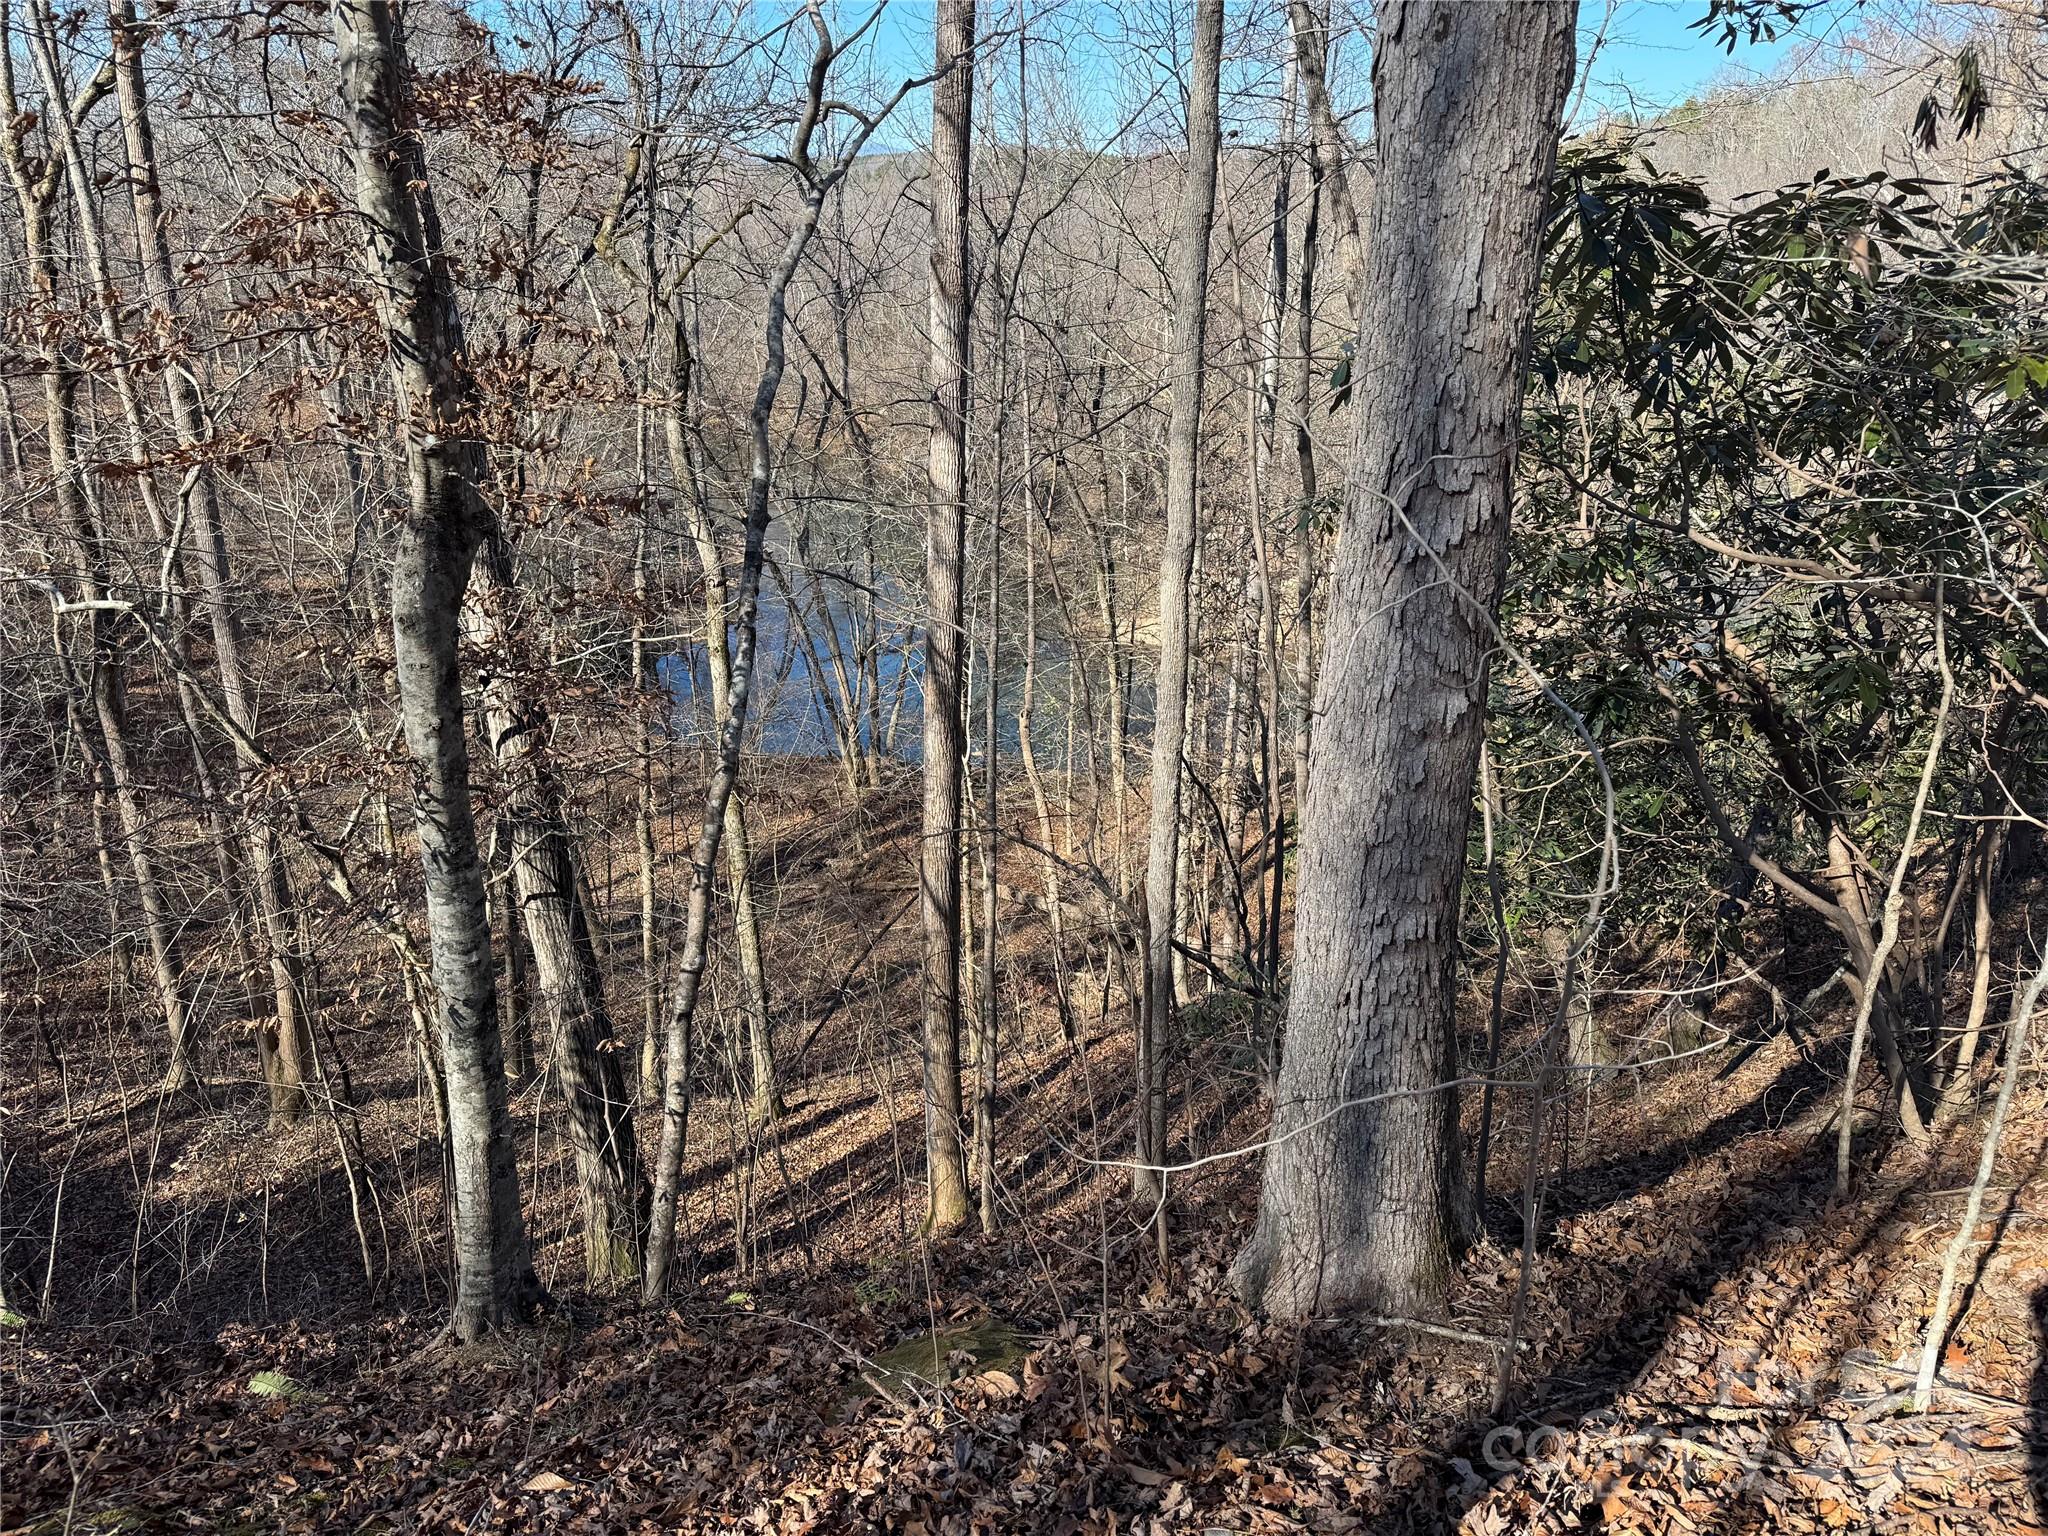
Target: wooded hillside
(983,767)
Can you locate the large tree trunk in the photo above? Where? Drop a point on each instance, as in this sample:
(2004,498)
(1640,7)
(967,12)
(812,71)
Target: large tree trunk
(1359,1197)
(945,726)
(438,537)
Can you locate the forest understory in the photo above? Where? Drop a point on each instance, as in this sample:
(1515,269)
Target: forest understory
(1024,766)
(1714,1342)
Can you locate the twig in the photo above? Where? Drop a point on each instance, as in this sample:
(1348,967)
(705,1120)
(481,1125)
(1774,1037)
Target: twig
(2015,1048)
(1894,899)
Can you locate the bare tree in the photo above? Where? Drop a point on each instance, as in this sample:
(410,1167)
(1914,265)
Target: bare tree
(37,177)
(1359,1200)
(816,178)
(945,724)
(444,525)
(285,1042)
(555,919)
(1190,283)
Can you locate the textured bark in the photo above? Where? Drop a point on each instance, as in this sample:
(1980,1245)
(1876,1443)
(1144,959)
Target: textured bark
(1305,561)
(1309,22)
(945,725)
(444,524)
(1189,277)
(556,922)
(1358,1208)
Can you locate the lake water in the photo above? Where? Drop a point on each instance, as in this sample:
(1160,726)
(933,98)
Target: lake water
(788,715)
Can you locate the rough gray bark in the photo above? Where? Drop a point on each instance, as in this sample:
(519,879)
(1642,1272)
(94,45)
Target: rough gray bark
(438,535)
(556,922)
(1305,562)
(1358,1207)
(945,725)
(1189,277)
(1311,30)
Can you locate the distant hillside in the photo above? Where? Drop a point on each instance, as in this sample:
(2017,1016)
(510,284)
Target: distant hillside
(1854,110)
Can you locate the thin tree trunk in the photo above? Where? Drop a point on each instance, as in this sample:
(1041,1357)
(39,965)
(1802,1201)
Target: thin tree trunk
(2023,1008)
(1041,805)
(817,182)
(289,1029)
(1190,282)
(555,916)
(36,182)
(990,1023)
(1309,22)
(945,593)
(718,655)
(643,834)
(1957,1086)
(1358,1206)
(1307,510)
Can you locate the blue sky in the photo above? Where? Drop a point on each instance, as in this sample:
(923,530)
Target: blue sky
(1649,54)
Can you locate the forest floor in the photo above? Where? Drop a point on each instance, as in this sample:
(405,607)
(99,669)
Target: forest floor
(222,1340)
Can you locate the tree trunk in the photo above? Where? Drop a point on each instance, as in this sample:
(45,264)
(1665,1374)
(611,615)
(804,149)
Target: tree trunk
(989,1020)
(1041,805)
(1305,466)
(817,182)
(739,852)
(1358,1204)
(36,180)
(643,823)
(288,1043)
(1309,22)
(1956,1088)
(1190,282)
(945,725)
(556,920)
(437,541)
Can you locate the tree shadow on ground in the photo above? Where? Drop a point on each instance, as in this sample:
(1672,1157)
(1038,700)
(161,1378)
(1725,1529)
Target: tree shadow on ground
(2037,1408)
(1649,1295)
(1617,1178)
